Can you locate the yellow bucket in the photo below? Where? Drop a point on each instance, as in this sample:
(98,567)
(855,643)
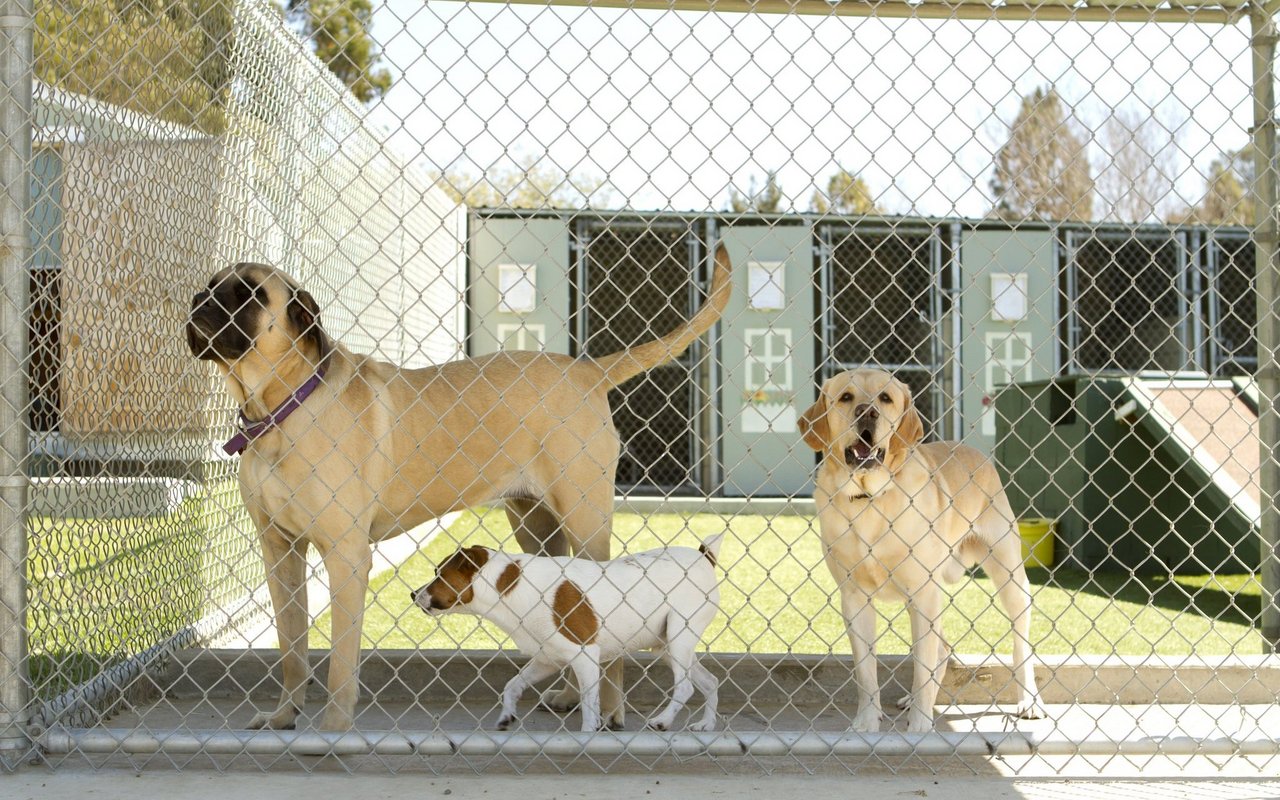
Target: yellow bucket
(1037,541)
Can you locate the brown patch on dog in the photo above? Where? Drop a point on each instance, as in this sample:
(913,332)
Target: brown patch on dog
(575,619)
(702,548)
(509,578)
(452,585)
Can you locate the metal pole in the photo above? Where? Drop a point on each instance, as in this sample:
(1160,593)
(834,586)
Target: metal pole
(1263,35)
(16,28)
(15,156)
(724,744)
(1228,14)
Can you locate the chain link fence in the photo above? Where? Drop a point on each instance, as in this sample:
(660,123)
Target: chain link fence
(412,238)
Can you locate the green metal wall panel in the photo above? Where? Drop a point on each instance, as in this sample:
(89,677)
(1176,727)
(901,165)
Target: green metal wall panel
(994,351)
(767,357)
(542,243)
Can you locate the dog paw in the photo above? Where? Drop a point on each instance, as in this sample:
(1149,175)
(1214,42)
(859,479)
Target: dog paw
(1031,709)
(562,702)
(658,724)
(504,722)
(336,720)
(904,702)
(919,723)
(703,726)
(867,721)
(280,720)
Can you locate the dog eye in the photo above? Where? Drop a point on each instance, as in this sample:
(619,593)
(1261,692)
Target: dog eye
(884,397)
(846,398)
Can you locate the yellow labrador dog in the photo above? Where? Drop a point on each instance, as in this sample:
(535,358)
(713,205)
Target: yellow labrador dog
(341,450)
(899,520)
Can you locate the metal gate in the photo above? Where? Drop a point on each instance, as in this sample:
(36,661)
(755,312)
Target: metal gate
(635,277)
(885,304)
(1127,301)
(1232,304)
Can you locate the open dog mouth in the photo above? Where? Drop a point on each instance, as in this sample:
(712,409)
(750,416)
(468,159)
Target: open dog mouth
(863,454)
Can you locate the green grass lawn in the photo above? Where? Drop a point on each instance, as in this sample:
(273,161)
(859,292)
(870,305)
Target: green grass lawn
(778,597)
(101,590)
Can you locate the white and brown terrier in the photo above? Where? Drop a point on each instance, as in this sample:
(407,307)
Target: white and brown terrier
(577,613)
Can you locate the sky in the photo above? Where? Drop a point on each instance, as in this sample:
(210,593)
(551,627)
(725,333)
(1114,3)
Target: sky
(674,108)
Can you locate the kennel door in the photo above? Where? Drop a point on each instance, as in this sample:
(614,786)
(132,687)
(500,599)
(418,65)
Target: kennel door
(1232,305)
(884,306)
(1128,306)
(637,280)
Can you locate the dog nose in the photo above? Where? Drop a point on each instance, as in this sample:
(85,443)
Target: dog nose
(413,595)
(866,410)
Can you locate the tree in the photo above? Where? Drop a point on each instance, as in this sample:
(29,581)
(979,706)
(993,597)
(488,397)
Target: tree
(1042,170)
(1137,166)
(167,58)
(845,194)
(1226,200)
(767,200)
(526,184)
(170,59)
(338,32)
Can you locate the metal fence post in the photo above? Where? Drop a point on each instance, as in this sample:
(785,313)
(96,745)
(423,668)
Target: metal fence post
(1263,30)
(15,152)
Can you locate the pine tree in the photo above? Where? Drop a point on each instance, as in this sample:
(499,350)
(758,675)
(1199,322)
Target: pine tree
(165,59)
(1226,195)
(1042,171)
(338,31)
(845,194)
(768,200)
(170,59)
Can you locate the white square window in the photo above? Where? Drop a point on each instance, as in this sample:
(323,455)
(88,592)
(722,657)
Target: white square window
(517,288)
(1009,296)
(766,289)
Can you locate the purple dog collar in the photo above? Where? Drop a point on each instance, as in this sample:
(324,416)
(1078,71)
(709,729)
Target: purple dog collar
(250,430)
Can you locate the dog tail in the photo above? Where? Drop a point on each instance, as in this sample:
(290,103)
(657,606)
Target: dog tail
(621,367)
(710,548)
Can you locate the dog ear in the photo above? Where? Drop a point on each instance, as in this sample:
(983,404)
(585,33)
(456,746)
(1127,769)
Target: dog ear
(475,557)
(813,425)
(459,571)
(908,433)
(304,315)
(473,560)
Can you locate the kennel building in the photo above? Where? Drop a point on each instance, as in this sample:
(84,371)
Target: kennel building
(956,308)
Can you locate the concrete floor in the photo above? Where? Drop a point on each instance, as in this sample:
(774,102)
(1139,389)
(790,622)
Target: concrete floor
(442,707)
(39,784)
(1075,740)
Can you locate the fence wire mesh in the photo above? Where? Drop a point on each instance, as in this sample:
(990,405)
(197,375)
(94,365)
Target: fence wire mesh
(412,237)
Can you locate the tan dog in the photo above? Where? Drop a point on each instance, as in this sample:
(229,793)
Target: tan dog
(899,520)
(377,449)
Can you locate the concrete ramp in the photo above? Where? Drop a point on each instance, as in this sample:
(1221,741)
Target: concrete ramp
(1210,427)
